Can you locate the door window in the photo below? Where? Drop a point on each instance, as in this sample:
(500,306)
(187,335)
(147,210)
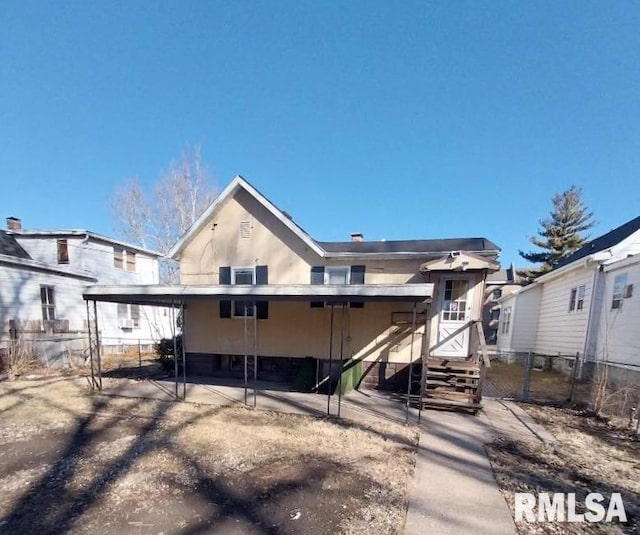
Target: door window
(454,303)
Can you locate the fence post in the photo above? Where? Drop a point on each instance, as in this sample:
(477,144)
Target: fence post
(574,377)
(527,377)
(139,354)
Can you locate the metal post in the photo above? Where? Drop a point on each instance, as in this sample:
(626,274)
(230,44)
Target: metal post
(255,356)
(424,372)
(93,377)
(341,359)
(139,354)
(574,377)
(410,380)
(174,331)
(527,377)
(246,343)
(184,357)
(95,314)
(330,364)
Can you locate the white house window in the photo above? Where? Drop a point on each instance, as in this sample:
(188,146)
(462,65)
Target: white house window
(128,316)
(619,284)
(496,294)
(337,275)
(494,314)
(118,258)
(63,251)
(242,276)
(506,320)
(576,298)
(123,259)
(47,298)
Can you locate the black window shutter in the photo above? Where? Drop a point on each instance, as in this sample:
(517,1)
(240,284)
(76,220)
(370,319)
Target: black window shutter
(317,277)
(262,307)
(357,277)
(224,277)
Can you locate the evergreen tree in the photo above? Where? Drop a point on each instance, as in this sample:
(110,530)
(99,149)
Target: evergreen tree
(560,235)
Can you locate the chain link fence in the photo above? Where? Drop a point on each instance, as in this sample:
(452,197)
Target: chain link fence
(605,387)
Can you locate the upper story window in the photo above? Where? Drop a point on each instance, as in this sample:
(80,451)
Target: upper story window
(496,294)
(47,298)
(494,314)
(63,251)
(576,298)
(128,316)
(123,259)
(242,276)
(337,275)
(621,290)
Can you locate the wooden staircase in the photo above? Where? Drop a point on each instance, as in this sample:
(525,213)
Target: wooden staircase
(455,383)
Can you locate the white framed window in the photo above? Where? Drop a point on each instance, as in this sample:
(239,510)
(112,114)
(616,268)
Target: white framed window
(337,275)
(506,320)
(496,293)
(576,298)
(128,316)
(619,284)
(242,275)
(454,301)
(47,298)
(123,259)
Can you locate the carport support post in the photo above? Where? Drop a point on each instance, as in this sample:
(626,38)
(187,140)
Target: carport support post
(330,363)
(95,315)
(410,380)
(246,343)
(255,356)
(93,377)
(175,345)
(341,359)
(184,358)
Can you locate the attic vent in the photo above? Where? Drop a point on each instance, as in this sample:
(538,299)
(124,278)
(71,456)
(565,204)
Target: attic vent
(245,229)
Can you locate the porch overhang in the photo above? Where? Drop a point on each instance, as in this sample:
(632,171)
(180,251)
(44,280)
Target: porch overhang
(173,295)
(460,261)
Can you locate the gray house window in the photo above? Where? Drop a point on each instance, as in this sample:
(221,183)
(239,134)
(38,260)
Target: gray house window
(619,284)
(63,251)
(496,294)
(47,297)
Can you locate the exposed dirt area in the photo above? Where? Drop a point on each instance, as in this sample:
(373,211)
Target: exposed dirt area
(591,455)
(72,462)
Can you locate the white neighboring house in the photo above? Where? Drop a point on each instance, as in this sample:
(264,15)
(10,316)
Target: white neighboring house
(44,272)
(584,306)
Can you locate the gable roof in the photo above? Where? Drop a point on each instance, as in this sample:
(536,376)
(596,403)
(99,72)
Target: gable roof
(604,242)
(335,249)
(478,245)
(236,184)
(69,233)
(10,247)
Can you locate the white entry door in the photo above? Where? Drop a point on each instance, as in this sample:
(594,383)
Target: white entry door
(455,313)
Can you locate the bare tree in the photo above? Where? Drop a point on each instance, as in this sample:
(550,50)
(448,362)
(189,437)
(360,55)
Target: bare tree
(156,218)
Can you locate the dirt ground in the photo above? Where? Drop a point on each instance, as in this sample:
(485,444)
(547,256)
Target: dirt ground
(591,455)
(72,462)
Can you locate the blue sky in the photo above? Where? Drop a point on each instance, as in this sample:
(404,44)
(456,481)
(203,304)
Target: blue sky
(398,119)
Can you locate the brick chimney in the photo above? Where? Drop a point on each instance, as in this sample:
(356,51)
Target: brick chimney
(13,223)
(357,236)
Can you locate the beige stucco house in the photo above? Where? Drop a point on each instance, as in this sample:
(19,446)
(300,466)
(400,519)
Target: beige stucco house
(253,282)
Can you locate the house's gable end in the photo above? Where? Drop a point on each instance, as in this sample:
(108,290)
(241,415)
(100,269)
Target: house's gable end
(243,233)
(236,185)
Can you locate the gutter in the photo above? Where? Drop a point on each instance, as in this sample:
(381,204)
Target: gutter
(38,266)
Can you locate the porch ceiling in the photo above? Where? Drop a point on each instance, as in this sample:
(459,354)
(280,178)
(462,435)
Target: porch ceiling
(163,295)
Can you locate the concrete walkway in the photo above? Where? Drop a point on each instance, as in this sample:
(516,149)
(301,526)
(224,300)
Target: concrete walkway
(454,486)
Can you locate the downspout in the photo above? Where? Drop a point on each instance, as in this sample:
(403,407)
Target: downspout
(83,244)
(595,293)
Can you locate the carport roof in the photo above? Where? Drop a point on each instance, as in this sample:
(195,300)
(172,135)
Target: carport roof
(165,295)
